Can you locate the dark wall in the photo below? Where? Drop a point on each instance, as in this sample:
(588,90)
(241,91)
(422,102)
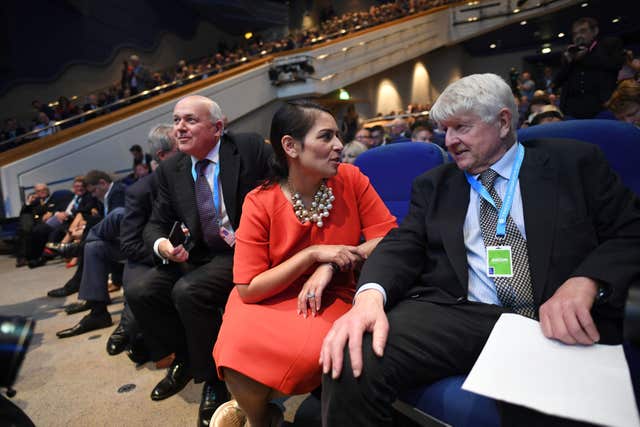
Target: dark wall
(41,38)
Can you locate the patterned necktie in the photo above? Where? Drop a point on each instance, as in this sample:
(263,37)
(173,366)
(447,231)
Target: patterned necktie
(514,292)
(206,208)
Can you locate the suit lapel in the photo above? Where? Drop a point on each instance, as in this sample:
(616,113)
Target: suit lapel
(539,205)
(229,175)
(455,203)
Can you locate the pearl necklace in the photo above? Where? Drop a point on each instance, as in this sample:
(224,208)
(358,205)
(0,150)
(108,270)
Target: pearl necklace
(320,206)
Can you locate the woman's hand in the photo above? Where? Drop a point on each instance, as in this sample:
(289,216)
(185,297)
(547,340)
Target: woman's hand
(345,257)
(310,297)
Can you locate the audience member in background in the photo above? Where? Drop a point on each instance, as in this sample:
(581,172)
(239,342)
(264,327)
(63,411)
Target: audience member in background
(294,271)
(526,85)
(39,107)
(12,129)
(624,103)
(138,206)
(140,76)
(140,170)
(399,131)
(631,68)
(54,228)
(178,304)
(589,70)
(377,136)
(350,124)
(546,83)
(546,114)
(139,156)
(101,250)
(45,126)
(422,133)
(351,151)
(364,136)
(425,298)
(65,109)
(111,196)
(38,208)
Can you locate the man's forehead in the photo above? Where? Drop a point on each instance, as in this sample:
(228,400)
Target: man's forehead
(465,117)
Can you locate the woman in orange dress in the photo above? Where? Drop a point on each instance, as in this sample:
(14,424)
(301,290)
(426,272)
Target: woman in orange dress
(298,243)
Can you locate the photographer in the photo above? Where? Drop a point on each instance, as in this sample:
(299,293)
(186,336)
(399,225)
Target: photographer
(589,70)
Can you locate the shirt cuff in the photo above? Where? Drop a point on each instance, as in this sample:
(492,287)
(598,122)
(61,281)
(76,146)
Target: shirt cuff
(375,286)
(155,250)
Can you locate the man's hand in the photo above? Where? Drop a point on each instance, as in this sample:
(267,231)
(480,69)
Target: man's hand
(566,315)
(175,254)
(61,216)
(367,315)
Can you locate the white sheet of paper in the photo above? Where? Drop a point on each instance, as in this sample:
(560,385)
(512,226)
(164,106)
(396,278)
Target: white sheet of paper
(518,364)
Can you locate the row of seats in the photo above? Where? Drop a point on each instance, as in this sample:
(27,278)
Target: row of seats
(392,168)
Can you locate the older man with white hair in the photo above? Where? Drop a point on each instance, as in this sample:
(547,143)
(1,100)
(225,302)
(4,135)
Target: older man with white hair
(562,248)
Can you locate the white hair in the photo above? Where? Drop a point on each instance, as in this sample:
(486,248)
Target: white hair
(215,112)
(481,94)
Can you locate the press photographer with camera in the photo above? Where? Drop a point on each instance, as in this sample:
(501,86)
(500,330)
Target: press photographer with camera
(589,70)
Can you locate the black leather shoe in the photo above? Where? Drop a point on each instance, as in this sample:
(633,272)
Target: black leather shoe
(178,376)
(61,292)
(38,262)
(138,352)
(214,394)
(77,307)
(65,250)
(71,287)
(118,341)
(90,322)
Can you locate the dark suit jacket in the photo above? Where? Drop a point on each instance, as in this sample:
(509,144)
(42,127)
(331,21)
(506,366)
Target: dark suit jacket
(244,163)
(87,204)
(137,210)
(115,198)
(579,219)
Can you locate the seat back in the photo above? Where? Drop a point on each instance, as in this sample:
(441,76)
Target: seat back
(619,141)
(392,168)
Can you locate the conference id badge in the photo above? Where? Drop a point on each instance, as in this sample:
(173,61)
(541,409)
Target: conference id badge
(228,236)
(499,261)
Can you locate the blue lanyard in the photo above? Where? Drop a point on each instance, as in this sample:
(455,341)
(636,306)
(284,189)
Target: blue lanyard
(216,195)
(501,227)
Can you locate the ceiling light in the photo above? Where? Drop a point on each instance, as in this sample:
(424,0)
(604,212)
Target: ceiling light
(615,20)
(492,46)
(560,35)
(585,4)
(324,55)
(516,10)
(248,35)
(546,50)
(472,18)
(523,22)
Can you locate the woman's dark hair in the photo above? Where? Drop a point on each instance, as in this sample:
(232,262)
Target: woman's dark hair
(294,118)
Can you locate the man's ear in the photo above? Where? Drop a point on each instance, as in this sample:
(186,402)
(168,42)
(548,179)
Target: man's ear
(290,146)
(504,122)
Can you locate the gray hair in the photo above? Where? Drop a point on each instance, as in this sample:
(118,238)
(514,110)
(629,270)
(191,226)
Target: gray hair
(215,112)
(161,139)
(354,147)
(481,94)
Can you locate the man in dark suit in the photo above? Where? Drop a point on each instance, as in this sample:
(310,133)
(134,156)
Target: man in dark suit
(178,304)
(111,196)
(572,232)
(589,70)
(101,251)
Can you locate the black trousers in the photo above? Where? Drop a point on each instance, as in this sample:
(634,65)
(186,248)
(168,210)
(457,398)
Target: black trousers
(427,342)
(178,309)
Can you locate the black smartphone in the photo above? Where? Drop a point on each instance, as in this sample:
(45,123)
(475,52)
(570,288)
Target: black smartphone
(177,236)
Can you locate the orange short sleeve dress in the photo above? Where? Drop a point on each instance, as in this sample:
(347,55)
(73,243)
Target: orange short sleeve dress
(269,341)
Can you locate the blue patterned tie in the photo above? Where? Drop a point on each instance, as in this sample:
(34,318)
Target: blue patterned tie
(514,292)
(206,208)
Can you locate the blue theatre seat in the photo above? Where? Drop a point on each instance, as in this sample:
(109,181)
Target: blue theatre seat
(392,168)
